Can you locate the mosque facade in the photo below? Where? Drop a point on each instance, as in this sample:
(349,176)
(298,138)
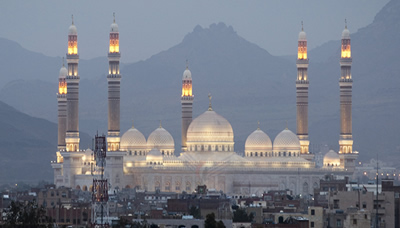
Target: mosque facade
(208,154)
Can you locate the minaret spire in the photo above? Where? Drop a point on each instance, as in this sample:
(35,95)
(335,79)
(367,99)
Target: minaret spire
(72,80)
(187,103)
(209,105)
(302,84)
(114,90)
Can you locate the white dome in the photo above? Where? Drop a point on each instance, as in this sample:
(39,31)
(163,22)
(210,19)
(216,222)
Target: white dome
(331,159)
(258,141)
(210,127)
(286,140)
(63,72)
(114,27)
(133,139)
(72,30)
(154,155)
(346,34)
(302,36)
(187,75)
(161,139)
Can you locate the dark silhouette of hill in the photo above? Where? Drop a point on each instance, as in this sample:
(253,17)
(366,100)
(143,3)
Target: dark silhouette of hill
(28,144)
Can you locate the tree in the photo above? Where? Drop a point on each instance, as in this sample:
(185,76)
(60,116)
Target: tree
(210,221)
(240,215)
(220,224)
(195,211)
(28,215)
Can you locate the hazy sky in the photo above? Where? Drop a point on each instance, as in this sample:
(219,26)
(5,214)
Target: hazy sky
(148,27)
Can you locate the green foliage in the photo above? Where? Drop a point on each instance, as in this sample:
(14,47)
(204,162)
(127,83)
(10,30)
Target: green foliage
(195,212)
(210,221)
(26,215)
(220,224)
(240,215)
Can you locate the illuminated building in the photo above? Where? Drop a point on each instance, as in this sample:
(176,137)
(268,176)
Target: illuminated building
(208,154)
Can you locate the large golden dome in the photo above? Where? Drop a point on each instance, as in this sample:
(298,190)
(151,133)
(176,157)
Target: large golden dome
(210,132)
(210,127)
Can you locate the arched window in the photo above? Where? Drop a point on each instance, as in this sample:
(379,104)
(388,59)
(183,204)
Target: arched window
(284,154)
(279,153)
(290,154)
(251,154)
(255,154)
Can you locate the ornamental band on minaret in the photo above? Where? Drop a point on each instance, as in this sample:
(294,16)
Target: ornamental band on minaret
(62,107)
(302,93)
(72,79)
(114,88)
(187,105)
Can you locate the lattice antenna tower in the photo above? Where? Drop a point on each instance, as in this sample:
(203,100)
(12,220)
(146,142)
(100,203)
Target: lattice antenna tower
(100,207)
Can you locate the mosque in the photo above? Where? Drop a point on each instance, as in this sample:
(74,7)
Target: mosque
(208,154)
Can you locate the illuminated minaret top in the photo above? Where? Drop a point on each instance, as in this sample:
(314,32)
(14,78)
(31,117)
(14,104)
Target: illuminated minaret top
(72,79)
(72,39)
(187,104)
(114,88)
(302,84)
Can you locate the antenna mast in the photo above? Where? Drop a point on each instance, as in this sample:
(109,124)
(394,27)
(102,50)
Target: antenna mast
(100,207)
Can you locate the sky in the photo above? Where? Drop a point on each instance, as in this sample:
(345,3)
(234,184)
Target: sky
(148,27)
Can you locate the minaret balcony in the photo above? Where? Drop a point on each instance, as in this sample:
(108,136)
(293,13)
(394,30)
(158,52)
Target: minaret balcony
(187,98)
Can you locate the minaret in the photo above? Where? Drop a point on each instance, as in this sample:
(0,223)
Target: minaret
(62,107)
(72,79)
(187,104)
(302,95)
(114,85)
(347,157)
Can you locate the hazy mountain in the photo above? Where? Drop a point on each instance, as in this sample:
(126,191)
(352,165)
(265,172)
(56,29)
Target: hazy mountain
(247,84)
(18,63)
(28,144)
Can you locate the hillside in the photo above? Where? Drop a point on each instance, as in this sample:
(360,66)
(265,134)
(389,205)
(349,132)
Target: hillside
(28,146)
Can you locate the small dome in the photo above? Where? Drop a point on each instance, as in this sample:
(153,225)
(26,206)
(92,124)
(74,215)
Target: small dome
(346,34)
(154,155)
(72,30)
(133,139)
(114,27)
(63,72)
(210,127)
(302,36)
(258,141)
(161,139)
(331,159)
(187,75)
(286,140)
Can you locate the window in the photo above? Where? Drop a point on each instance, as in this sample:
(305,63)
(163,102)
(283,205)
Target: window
(354,221)
(338,223)
(312,224)
(312,212)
